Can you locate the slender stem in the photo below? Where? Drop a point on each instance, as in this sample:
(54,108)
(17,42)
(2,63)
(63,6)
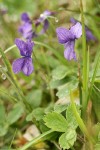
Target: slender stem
(85,71)
(13,139)
(94,74)
(36,140)
(10,96)
(8,49)
(80,81)
(80,121)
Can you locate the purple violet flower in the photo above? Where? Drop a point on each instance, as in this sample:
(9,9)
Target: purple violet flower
(89,35)
(68,37)
(23,64)
(43,20)
(26,28)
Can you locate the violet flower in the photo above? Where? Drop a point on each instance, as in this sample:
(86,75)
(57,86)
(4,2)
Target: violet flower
(89,35)
(26,28)
(43,20)
(68,37)
(23,64)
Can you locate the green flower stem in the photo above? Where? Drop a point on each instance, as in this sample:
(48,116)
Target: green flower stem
(85,67)
(8,49)
(80,121)
(36,140)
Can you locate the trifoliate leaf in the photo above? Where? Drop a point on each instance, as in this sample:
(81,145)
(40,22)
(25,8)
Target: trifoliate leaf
(56,122)
(67,139)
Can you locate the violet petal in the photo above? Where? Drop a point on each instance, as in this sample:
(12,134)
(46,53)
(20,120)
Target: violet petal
(69,52)
(74,21)
(45,27)
(17,65)
(25,17)
(63,35)
(76,30)
(26,30)
(24,47)
(27,68)
(89,35)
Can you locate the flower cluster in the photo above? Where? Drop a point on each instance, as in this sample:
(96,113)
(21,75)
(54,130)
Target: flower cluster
(67,37)
(24,64)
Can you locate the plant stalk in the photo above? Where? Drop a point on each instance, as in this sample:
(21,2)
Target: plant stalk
(85,66)
(80,121)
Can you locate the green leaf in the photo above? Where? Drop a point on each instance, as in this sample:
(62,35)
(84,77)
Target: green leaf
(99,137)
(67,139)
(37,113)
(34,98)
(42,126)
(96,129)
(2,114)
(60,72)
(15,113)
(95,96)
(3,129)
(59,108)
(57,83)
(65,89)
(49,108)
(97,146)
(71,118)
(53,62)
(56,122)
(3,123)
